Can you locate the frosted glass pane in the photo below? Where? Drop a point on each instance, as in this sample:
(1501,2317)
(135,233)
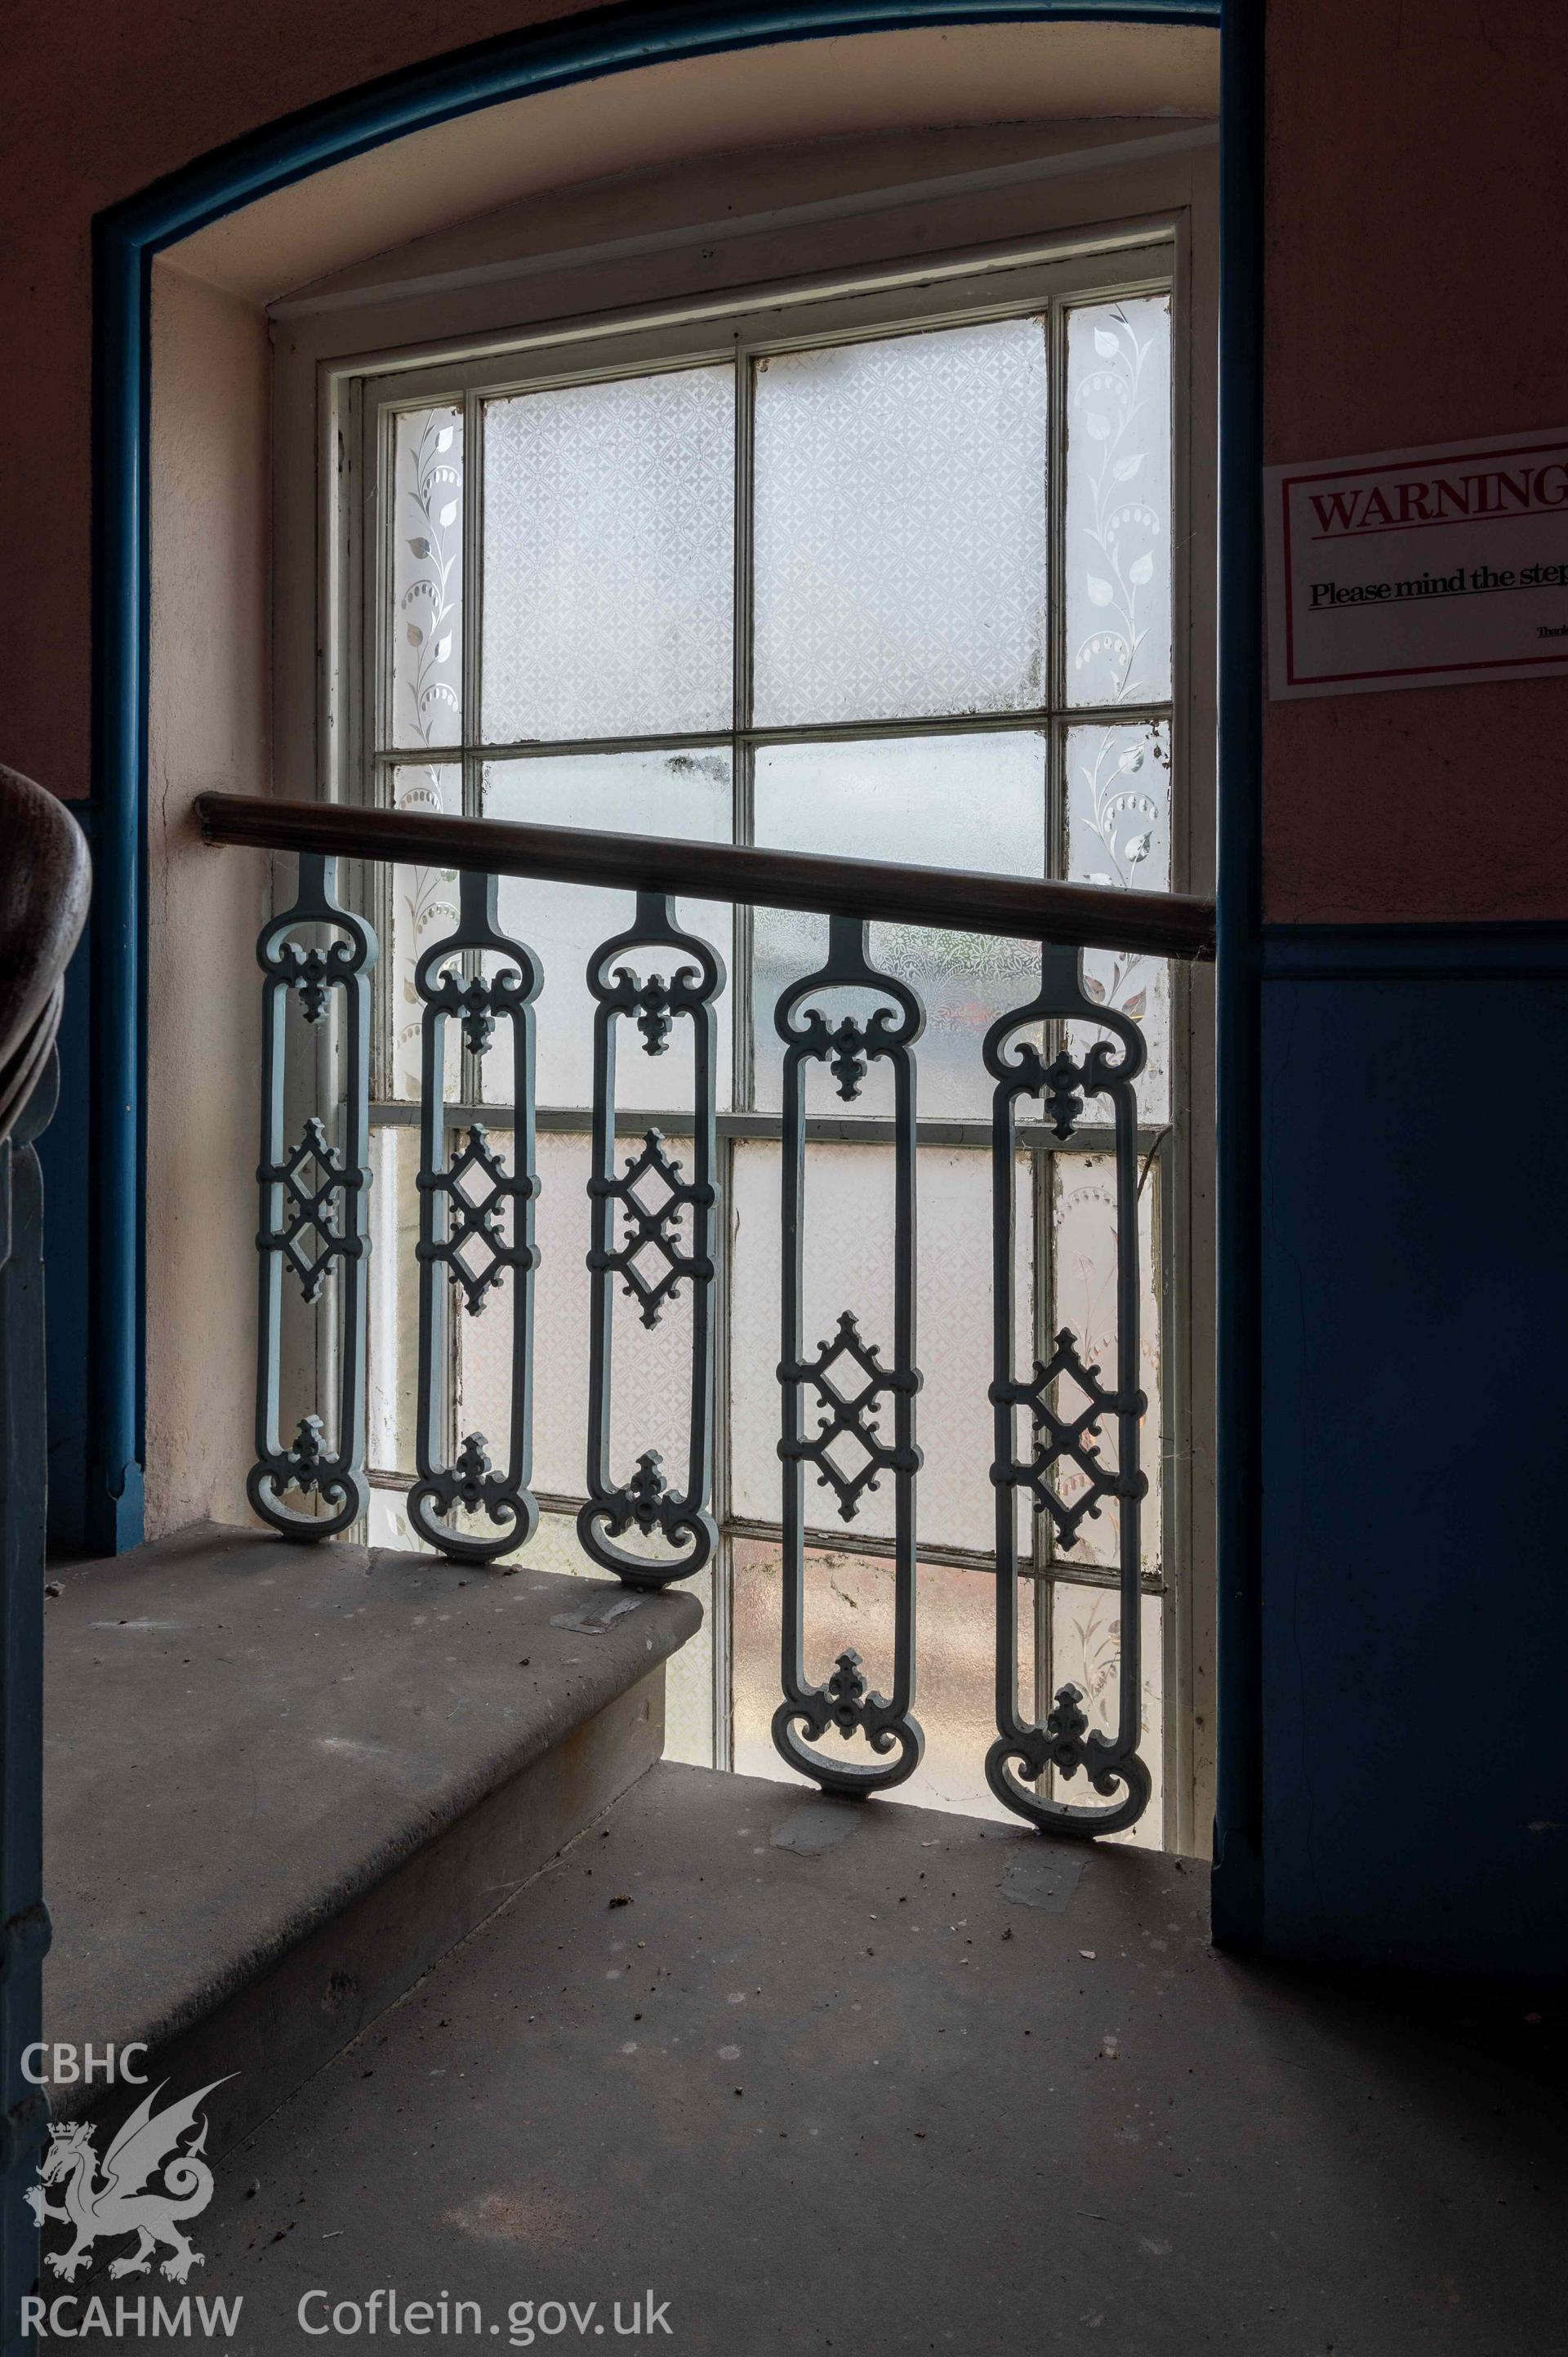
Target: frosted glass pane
(482,1345)
(1086,1652)
(1119,834)
(651,1373)
(560,1331)
(387,1524)
(955,801)
(1083,1219)
(394,1299)
(424,908)
(651,1389)
(608,565)
(1119,502)
(424,627)
(973,801)
(849,1266)
(899,526)
(685,794)
(849,1601)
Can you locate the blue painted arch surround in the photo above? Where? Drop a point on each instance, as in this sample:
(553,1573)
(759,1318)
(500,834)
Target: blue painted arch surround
(544,57)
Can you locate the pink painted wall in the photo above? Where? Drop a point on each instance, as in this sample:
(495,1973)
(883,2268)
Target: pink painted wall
(208,729)
(102,99)
(1416,232)
(1417,238)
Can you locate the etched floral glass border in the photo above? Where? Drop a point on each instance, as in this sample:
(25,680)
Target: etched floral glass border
(1118,521)
(1117,792)
(424,627)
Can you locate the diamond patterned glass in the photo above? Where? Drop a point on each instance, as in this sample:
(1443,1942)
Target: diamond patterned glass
(899,528)
(1083,1299)
(559,1332)
(425,625)
(684,794)
(1086,1652)
(955,801)
(608,558)
(652,1365)
(1118,562)
(1119,834)
(849,1266)
(849,1601)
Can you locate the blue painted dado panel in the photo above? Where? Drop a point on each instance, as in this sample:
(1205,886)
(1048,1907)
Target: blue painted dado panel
(1415,1593)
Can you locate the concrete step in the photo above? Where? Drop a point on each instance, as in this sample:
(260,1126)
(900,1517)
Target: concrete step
(869,2081)
(282,1782)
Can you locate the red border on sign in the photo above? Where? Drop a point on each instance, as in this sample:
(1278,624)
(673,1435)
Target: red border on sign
(1289,483)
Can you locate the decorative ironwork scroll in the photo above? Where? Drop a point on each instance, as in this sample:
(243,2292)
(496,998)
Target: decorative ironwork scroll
(476,1228)
(845,1382)
(656,1204)
(314,1206)
(1065,1437)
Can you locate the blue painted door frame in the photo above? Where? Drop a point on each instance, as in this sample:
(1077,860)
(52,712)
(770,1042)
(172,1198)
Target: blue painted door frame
(612,40)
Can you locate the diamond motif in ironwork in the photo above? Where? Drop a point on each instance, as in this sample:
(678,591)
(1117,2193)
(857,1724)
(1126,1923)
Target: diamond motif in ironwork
(311,1213)
(652,1196)
(845,1419)
(1073,1440)
(476,1185)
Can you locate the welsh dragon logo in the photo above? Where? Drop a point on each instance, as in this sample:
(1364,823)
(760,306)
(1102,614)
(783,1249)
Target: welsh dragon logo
(125,2200)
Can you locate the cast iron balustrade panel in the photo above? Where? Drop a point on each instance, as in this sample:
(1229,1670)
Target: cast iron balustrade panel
(314,1224)
(1025,1751)
(847,1397)
(853,1390)
(653,1197)
(476,1231)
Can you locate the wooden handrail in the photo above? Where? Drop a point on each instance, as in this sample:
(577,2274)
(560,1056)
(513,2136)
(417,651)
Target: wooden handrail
(45,882)
(1085,915)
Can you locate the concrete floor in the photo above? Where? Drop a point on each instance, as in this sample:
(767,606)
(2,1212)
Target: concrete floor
(879,2082)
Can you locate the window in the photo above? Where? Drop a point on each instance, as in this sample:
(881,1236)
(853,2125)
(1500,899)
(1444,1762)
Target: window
(884,572)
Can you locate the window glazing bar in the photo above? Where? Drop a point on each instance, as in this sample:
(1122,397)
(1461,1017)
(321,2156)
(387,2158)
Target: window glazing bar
(825,1128)
(935,1552)
(839,732)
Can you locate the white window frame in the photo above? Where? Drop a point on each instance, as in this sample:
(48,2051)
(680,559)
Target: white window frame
(357,393)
